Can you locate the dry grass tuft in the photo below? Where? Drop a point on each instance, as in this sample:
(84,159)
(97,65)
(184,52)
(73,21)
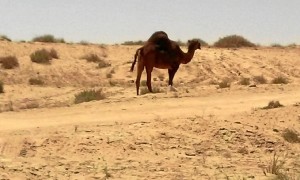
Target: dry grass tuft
(9,62)
(89,95)
(291,136)
(244,81)
(272,105)
(43,56)
(144,90)
(276,167)
(260,79)
(280,80)
(35,81)
(225,83)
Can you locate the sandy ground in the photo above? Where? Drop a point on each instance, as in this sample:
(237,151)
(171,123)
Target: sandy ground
(199,132)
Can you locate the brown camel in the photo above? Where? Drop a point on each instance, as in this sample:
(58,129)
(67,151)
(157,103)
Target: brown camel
(161,52)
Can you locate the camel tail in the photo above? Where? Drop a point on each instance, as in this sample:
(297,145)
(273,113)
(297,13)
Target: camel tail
(134,61)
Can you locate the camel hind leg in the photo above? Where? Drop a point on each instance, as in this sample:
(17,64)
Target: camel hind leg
(149,71)
(140,69)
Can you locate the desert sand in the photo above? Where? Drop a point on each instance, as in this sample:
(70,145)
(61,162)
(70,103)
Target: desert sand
(200,131)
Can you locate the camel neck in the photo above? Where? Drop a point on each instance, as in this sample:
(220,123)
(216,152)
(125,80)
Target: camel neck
(188,56)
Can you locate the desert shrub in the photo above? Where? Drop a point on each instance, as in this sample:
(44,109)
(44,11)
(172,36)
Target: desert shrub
(103,64)
(244,81)
(89,95)
(144,90)
(144,83)
(260,79)
(9,62)
(276,45)
(5,38)
(134,43)
(1,87)
(35,81)
(276,167)
(225,83)
(43,56)
(291,136)
(233,41)
(48,39)
(53,54)
(96,59)
(280,80)
(272,105)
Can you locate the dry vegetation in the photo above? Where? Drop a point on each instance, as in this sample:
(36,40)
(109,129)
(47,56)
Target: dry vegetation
(9,62)
(43,56)
(203,130)
(233,41)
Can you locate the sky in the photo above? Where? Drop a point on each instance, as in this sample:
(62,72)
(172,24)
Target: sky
(115,21)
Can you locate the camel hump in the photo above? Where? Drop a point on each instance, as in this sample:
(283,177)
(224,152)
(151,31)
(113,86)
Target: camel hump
(161,40)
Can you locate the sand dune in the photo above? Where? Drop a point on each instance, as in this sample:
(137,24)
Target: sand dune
(199,132)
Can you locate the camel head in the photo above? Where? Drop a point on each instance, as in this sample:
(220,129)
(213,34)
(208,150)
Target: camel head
(194,45)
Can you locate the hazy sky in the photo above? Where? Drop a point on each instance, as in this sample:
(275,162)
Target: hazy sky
(116,21)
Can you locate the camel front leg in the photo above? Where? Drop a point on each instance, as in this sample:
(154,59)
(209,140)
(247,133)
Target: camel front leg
(149,71)
(172,74)
(140,70)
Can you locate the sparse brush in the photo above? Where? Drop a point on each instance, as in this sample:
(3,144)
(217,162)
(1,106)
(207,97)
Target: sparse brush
(280,80)
(134,43)
(48,39)
(275,166)
(1,87)
(89,95)
(225,83)
(291,136)
(144,83)
(34,81)
(53,54)
(260,79)
(5,38)
(272,105)
(233,41)
(144,90)
(43,56)
(9,62)
(244,81)
(96,59)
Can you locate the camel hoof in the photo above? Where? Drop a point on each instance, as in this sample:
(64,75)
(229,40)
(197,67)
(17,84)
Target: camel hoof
(172,89)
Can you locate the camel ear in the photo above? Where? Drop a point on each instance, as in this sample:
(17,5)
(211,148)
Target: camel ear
(189,41)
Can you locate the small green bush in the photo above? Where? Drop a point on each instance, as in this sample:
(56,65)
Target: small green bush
(35,81)
(48,39)
(43,56)
(233,41)
(280,80)
(9,62)
(89,95)
(291,136)
(1,87)
(260,79)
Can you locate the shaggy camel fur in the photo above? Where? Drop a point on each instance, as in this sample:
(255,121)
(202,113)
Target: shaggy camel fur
(162,53)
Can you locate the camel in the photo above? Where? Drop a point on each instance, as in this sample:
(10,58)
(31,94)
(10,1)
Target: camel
(161,52)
